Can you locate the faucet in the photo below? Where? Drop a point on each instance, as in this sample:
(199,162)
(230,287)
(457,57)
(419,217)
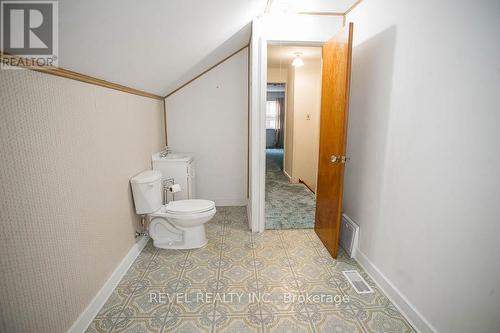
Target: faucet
(165,151)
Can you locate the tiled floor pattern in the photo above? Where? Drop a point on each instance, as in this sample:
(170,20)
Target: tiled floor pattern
(288,206)
(278,264)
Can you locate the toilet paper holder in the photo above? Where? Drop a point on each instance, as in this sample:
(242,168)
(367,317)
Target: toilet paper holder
(167,183)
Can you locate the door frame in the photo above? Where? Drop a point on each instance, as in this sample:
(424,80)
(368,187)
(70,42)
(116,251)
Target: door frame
(257,122)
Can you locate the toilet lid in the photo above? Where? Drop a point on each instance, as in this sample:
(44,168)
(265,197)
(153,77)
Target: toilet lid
(190,206)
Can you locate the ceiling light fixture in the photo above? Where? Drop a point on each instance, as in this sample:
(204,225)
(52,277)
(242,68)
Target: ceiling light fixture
(298,62)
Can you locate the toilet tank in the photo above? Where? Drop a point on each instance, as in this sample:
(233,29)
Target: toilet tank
(146,189)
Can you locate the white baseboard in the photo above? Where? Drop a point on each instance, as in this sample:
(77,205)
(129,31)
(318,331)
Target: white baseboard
(287,175)
(395,296)
(86,317)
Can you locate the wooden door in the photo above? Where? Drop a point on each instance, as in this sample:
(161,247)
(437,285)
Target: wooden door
(333,136)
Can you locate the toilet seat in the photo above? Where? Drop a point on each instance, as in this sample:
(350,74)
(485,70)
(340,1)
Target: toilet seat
(188,207)
(185,209)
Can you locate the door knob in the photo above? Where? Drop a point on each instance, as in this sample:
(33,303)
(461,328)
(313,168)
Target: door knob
(339,158)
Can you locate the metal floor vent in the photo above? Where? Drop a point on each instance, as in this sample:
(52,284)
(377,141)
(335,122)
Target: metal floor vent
(349,232)
(356,280)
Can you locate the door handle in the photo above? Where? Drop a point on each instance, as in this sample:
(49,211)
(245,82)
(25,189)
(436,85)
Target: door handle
(339,158)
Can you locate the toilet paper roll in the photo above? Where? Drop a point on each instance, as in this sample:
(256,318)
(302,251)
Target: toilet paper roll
(174,188)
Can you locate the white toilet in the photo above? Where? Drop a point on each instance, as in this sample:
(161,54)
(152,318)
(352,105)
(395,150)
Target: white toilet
(178,224)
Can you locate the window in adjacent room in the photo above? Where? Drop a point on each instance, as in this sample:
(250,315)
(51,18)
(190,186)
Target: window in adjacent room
(272,115)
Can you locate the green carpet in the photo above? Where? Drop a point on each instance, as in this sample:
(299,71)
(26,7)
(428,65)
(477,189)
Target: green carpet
(288,206)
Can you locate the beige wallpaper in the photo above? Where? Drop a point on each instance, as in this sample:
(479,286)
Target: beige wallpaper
(67,151)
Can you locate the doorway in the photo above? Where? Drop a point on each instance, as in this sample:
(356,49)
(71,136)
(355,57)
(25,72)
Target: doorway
(335,82)
(293,99)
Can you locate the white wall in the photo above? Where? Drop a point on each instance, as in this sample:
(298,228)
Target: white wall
(209,117)
(307,101)
(277,75)
(295,28)
(423,182)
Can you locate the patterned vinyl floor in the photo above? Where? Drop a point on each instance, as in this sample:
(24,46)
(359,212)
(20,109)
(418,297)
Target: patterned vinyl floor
(274,278)
(288,206)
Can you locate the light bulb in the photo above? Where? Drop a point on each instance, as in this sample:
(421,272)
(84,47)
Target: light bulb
(297,62)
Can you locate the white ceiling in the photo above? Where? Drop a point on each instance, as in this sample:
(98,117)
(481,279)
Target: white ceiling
(296,6)
(153,45)
(282,56)
(157,45)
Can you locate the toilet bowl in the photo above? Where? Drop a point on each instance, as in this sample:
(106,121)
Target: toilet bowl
(181,224)
(176,225)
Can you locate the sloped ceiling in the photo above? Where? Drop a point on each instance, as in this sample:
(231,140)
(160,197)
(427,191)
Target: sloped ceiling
(157,45)
(153,45)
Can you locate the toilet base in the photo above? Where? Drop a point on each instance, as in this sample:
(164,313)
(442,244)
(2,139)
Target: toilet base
(179,231)
(177,246)
(191,238)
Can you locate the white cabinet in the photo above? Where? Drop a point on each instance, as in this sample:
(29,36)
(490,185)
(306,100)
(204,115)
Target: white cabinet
(180,167)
